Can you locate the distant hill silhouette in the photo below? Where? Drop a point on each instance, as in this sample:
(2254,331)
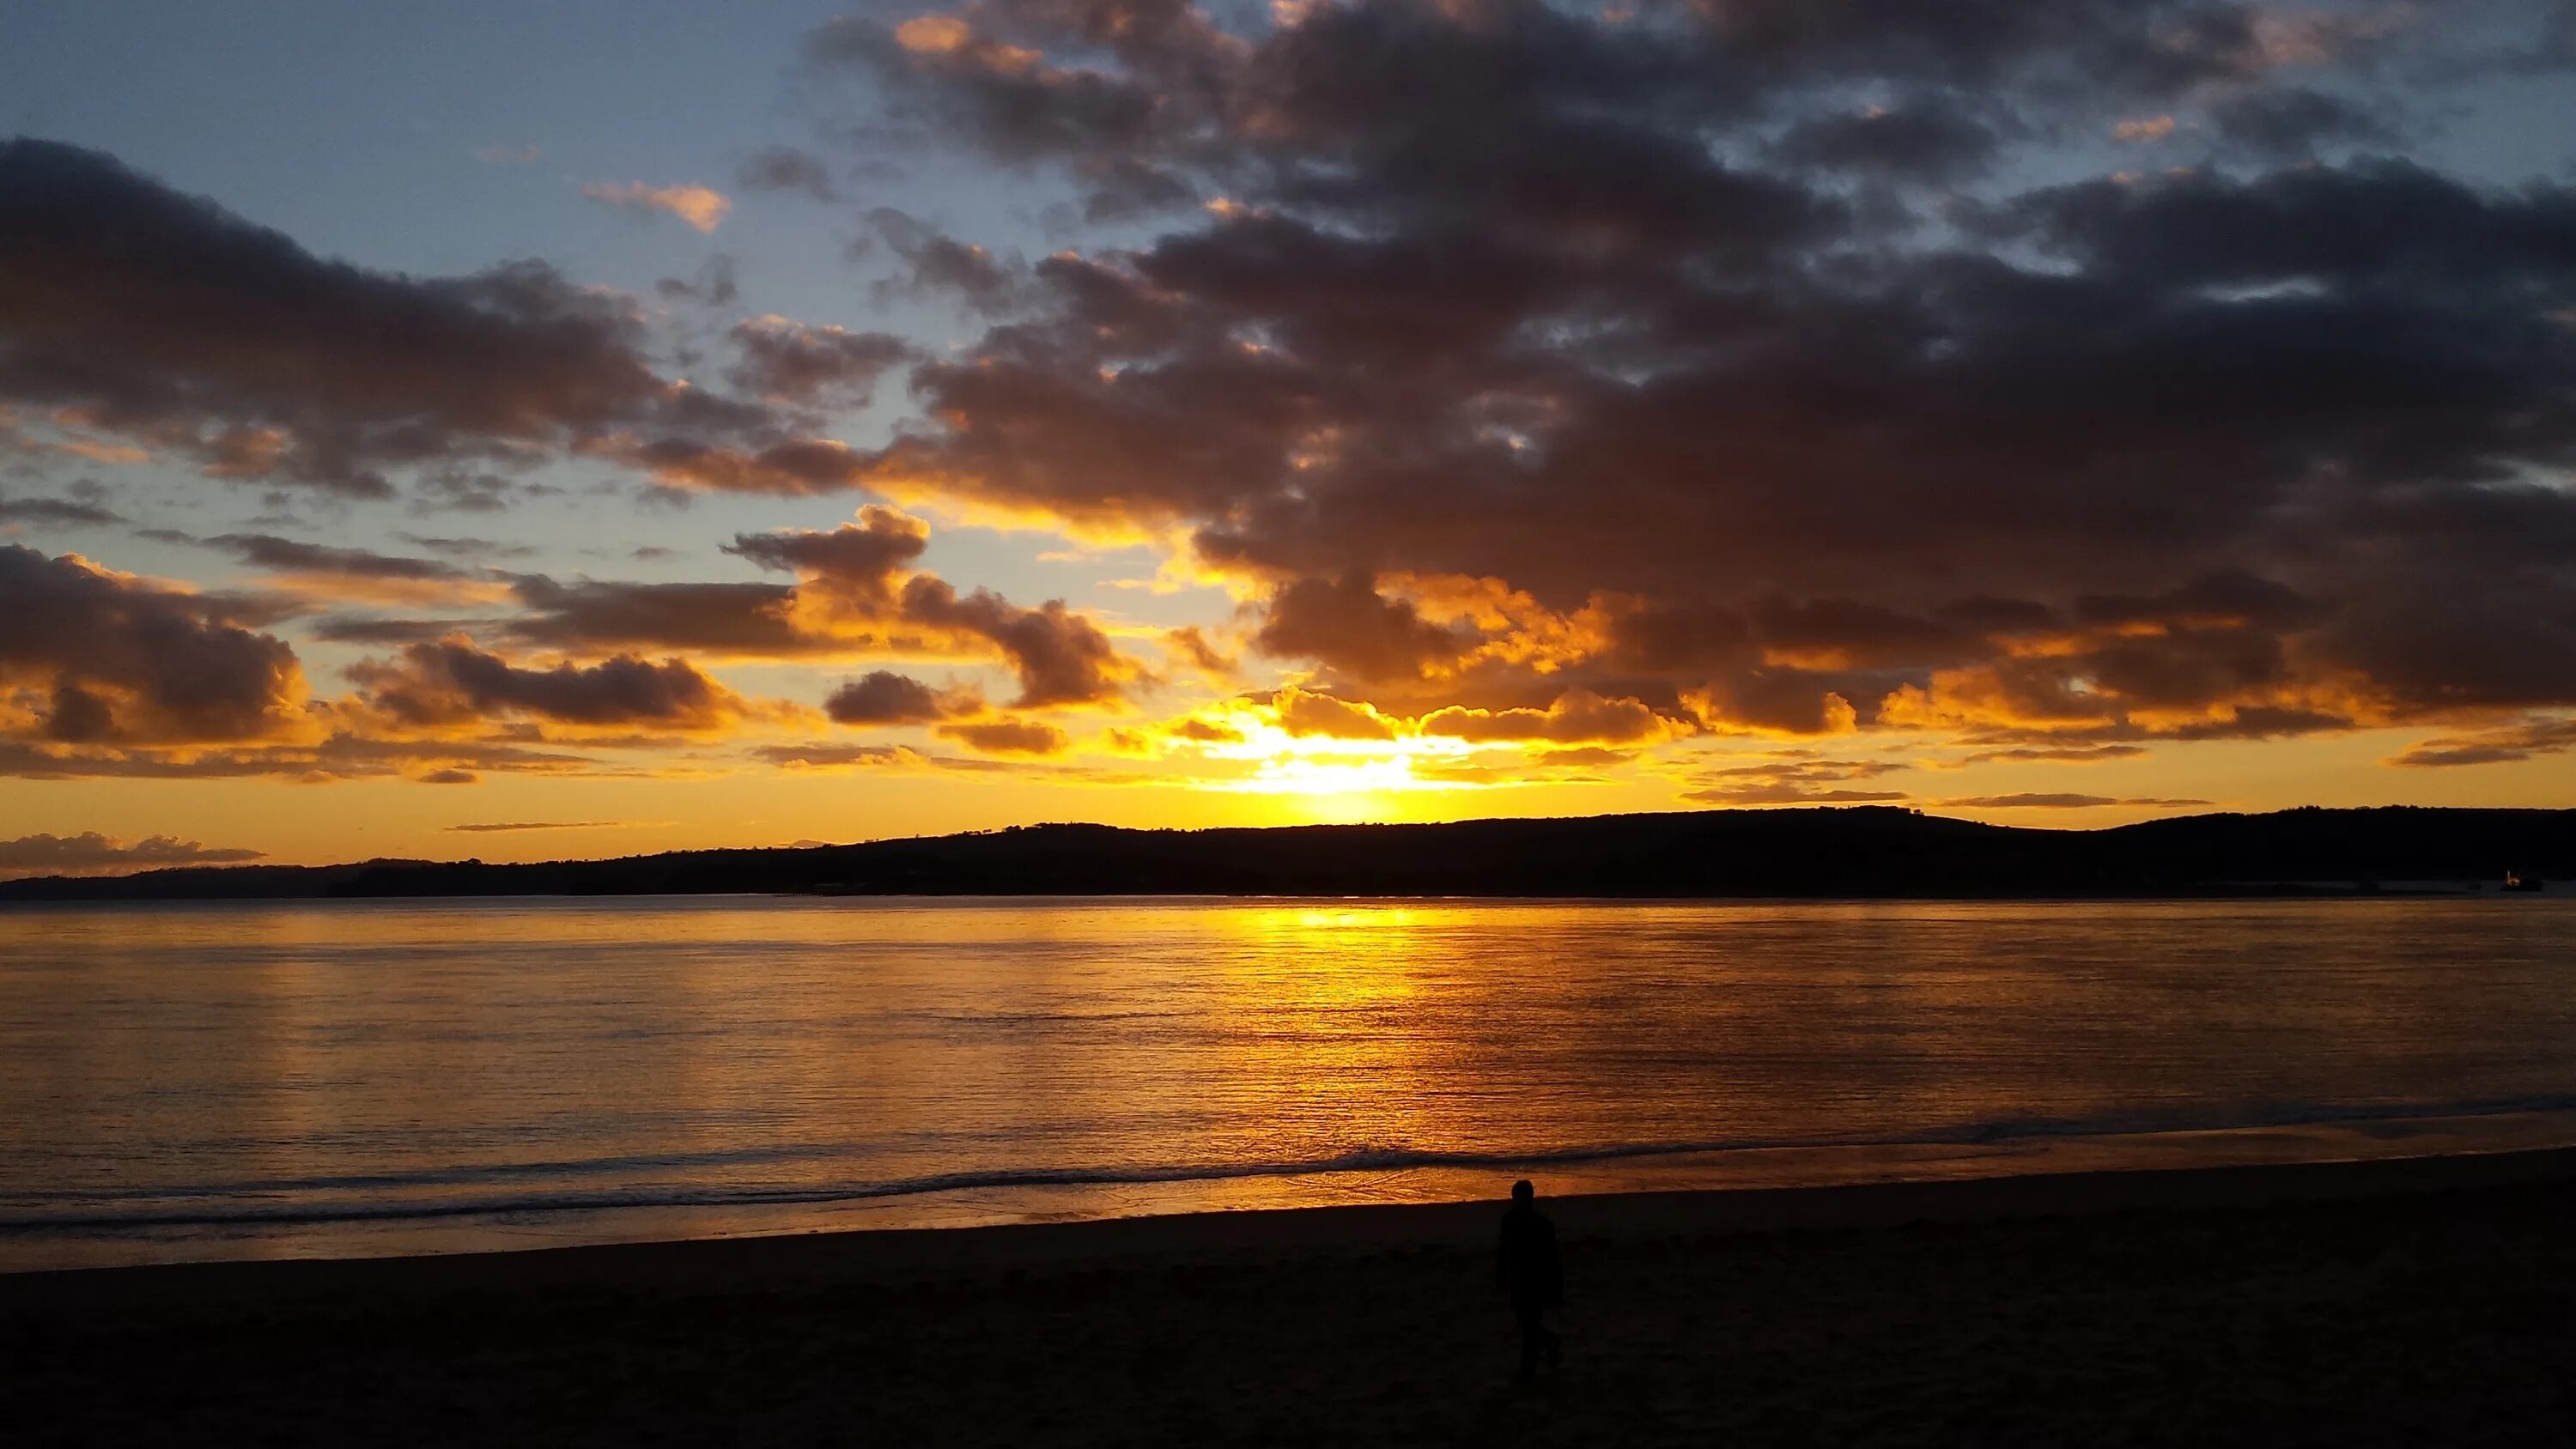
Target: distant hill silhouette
(1868,851)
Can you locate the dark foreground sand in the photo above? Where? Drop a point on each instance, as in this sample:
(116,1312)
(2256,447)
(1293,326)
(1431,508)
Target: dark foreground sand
(2430,1301)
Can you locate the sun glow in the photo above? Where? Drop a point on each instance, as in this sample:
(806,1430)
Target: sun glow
(1276,761)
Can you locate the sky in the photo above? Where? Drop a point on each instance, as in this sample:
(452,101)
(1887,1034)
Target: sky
(520,432)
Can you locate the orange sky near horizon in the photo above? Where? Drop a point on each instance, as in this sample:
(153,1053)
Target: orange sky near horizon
(594,818)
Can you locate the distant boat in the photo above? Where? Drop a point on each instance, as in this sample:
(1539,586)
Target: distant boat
(2515,880)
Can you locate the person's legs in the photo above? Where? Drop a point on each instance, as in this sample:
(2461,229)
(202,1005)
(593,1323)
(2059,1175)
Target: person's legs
(1536,1340)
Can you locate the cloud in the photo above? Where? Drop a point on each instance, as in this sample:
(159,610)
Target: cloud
(857,564)
(1529,375)
(453,683)
(882,697)
(1205,732)
(857,594)
(287,556)
(127,308)
(2521,741)
(1061,657)
(59,512)
(478,550)
(834,757)
(791,468)
(1302,712)
(939,265)
(1190,645)
(714,284)
(1576,717)
(784,168)
(1008,737)
(507,826)
(853,583)
(2063,754)
(2044,801)
(740,619)
(2294,122)
(1344,624)
(900,758)
(91,656)
(1752,404)
(1922,142)
(91,853)
(789,362)
(342,755)
(700,206)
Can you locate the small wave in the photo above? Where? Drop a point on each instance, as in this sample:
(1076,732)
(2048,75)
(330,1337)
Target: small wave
(1366,1159)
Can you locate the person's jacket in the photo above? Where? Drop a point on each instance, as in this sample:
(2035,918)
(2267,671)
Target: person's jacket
(1525,1263)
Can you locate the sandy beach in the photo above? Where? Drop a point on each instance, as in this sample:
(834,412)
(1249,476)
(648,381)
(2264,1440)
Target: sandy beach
(2415,1301)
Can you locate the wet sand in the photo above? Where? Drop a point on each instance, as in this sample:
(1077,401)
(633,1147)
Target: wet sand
(2418,1301)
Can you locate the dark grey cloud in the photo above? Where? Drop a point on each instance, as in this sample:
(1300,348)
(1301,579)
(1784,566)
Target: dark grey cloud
(286,555)
(376,629)
(792,363)
(860,562)
(1344,624)
(939,265)
(1934,139)
(163,317)
(1734,340)
(716,283)
(452,683)
(737,618)
(88,656)
(883,697)
(2294,122)
(1061,657)
(165,320)
(858,574)
(451,491)
(472,550)
(785,168)
(58,512)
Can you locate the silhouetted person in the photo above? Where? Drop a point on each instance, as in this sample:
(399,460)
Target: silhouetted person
(1531,1277)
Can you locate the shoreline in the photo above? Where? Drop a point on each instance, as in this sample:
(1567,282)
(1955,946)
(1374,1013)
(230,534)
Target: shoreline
(897,1255)
(2463,888)
(2408,1301)
(1743,1184)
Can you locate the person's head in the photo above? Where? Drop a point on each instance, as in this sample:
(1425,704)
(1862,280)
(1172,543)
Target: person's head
(1522,1191)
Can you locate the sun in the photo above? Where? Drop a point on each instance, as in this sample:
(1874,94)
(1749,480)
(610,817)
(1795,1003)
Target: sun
(1275,761)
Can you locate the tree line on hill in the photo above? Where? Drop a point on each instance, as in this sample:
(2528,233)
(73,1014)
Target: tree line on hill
(1856,852)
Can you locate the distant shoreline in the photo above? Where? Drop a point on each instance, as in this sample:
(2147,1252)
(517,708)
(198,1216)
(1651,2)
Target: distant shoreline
(1864,853)
(1076,898)
(896,1255)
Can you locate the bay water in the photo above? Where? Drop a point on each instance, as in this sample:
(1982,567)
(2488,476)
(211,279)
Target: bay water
(201,1081)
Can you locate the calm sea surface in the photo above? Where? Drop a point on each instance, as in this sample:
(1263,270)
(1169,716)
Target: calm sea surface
(182,1082)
